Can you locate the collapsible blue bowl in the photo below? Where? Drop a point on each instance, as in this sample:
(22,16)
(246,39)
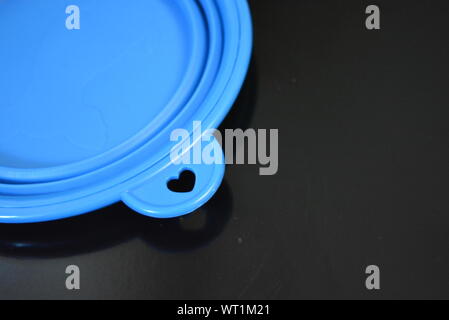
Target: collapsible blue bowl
(86,114)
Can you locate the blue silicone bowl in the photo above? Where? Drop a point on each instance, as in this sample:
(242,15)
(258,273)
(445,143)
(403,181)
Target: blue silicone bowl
(86,115)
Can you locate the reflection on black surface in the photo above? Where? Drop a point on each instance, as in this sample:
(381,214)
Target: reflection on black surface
(192,231)
(115,224)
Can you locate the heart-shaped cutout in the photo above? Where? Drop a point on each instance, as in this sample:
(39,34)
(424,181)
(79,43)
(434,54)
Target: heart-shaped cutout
(184,184)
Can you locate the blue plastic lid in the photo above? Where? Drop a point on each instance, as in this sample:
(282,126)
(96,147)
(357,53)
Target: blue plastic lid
(86,113)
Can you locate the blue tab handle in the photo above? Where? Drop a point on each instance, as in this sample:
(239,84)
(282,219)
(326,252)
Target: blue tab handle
(153,198)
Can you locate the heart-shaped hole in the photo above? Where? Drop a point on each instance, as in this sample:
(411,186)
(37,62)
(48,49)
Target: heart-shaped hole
(184,184)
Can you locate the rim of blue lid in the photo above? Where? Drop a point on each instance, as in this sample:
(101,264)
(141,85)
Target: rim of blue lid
(94,189)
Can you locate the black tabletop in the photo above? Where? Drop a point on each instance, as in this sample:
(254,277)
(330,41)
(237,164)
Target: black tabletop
(363,177)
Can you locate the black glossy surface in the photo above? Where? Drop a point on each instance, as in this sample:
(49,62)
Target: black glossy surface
(363,179)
